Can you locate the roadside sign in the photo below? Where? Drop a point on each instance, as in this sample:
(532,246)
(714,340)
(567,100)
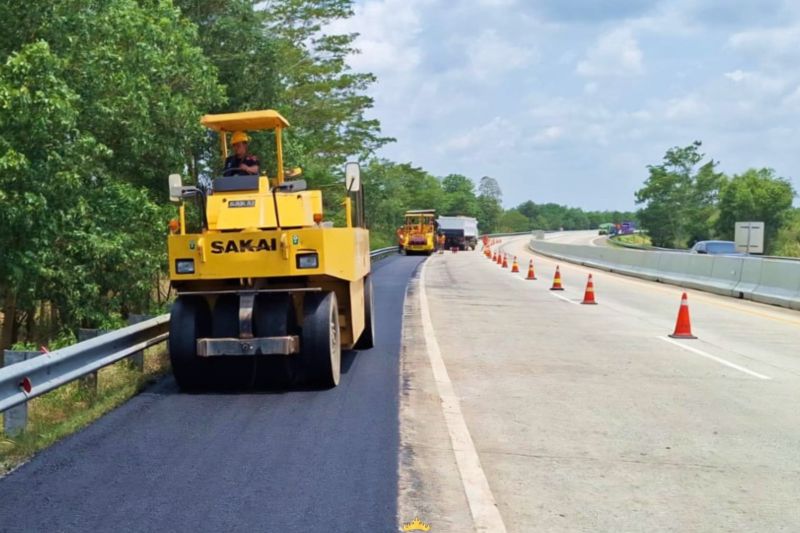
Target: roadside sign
(749,237)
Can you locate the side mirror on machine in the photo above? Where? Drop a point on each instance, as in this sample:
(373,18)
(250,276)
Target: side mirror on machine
(352,176)
(175,188)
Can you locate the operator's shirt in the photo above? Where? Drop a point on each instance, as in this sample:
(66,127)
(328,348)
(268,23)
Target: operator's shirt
(233,162)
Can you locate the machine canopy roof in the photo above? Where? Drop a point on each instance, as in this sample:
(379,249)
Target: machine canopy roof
(249,121)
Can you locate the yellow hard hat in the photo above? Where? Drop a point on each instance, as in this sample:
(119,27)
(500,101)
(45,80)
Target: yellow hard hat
(239,137)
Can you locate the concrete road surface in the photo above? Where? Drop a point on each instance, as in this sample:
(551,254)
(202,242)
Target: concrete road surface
(588,418)
(586,237)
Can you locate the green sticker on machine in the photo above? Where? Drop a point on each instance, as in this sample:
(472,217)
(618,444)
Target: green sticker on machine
(191,245)
(295,240)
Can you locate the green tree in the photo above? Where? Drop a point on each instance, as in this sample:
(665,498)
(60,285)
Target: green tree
(100,101)
(679,197)
(67,233)
(756,195)
(787,240)
(142,80)
(460,196)
(513,221)
(490,207)
(389,190)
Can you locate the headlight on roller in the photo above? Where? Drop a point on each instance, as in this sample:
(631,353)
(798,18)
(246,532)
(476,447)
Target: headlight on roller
(184,266)
(307,260)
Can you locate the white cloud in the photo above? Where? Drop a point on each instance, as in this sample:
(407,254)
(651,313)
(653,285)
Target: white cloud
(792,101)
(388,38)
(495,135)
(616,53)
(772,44)
(548,135)
(757,81)
(496,3)
(457,88)
(491,55)
(688,108)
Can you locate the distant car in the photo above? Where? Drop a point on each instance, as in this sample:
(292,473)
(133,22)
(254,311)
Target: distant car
(715,248)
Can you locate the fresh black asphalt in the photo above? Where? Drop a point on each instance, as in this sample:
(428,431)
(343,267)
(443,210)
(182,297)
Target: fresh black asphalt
(298,461)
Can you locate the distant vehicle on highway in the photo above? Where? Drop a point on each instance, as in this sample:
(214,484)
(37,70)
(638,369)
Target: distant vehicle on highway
(715,248)
(626,228)
(459,232)
(605,229)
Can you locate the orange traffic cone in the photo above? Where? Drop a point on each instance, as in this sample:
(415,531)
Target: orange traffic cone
(515,265)
(557,281)
(505,261)
(531,273)
(494,257)
(683,326)
(499,260)
(588,296)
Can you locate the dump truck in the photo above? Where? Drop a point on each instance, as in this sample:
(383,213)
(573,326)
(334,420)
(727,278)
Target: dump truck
(268,291)
(418,234)
(459,232)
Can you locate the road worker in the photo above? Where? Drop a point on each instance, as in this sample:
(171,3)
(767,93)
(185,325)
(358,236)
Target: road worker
(241,162)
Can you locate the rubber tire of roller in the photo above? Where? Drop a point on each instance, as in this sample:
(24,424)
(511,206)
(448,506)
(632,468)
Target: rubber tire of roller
(190,319)
(367,338)
(274,316)
(321,346)
(236,372)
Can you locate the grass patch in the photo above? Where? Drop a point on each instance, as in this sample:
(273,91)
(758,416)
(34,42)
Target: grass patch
(638,239)
(72,407)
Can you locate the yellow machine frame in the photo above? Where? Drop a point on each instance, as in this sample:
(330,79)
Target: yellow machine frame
(262,236)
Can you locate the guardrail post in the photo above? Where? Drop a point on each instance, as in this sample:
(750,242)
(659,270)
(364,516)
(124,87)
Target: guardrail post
(89,381)
(137,359)
(16,418)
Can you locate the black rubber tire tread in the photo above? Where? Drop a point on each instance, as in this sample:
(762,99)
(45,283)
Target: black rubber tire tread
(190,319)
(321,367)
(273,316)
(236,372)
(367,338)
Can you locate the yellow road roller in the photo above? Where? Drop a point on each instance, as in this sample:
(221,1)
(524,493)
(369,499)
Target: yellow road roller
(419,231)
(269,292)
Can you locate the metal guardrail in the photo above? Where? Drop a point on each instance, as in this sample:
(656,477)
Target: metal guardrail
(382,253)
(28,379)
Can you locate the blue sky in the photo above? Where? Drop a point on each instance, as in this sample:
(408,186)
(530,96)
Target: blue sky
(568,101)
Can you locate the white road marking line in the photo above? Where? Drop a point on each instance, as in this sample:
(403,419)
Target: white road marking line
(714,358)
(563,298)
(485,515)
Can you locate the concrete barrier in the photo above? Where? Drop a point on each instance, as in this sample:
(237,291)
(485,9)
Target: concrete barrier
(749,279)
(766,280)
(726,273)
(779,283)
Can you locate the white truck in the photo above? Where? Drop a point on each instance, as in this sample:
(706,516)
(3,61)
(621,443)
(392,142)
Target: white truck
(459,232)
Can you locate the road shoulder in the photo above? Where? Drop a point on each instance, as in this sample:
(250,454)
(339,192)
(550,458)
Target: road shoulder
(429,483)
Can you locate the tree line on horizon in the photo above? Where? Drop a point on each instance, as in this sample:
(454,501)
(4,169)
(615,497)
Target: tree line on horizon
(686,199)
